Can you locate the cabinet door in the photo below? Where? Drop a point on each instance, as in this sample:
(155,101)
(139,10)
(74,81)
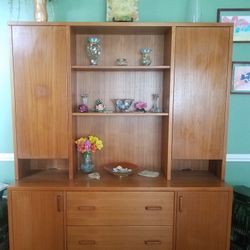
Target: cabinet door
(40,91)
(36,220)
(200,92)
(203,220)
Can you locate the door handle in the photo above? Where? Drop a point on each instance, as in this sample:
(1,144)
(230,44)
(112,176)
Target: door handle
(180,204)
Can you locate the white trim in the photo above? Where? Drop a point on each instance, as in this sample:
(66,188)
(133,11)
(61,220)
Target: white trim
(230,157)
(238,157)
(6,157)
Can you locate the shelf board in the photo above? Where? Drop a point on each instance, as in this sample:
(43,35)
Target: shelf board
(119,114)
(118,68)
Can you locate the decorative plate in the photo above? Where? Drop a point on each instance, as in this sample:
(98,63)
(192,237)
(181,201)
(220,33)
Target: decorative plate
(121,169)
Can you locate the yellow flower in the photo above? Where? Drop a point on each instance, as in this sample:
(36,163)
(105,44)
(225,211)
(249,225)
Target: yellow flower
(80,140)
(92,139)
(99,144)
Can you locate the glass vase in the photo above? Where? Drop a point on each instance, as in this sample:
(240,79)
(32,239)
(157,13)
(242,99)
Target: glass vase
(145,58)
(87,165)
(83,107)
(93,50)
(194,11)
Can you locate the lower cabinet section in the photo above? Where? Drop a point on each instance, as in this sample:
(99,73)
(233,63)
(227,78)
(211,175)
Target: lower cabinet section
(119,237)
(195,219)
(36,220)
(203,220)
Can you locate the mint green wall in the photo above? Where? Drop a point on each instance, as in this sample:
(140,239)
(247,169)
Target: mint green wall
(150,11)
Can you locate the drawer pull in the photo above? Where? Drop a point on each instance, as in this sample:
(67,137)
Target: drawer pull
(86,242)
(153,208)
(152,242)
(59,203)
(181,204)
(86,208)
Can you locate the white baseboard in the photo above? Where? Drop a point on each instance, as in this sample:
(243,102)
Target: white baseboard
(238,157)
(230,157)
(6,157)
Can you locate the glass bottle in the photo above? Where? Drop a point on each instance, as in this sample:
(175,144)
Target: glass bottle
(93,49)
(87,165)
(83,107)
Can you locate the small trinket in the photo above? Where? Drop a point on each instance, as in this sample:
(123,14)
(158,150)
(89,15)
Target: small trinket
(148,173)
(94,175)
(99,106)
(121,62)
(140,106)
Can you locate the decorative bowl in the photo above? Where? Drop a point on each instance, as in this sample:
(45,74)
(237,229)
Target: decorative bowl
(122,105)
(121,169)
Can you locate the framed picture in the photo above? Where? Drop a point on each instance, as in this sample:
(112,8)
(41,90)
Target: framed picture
(241,20)
(241,78)
(122,10)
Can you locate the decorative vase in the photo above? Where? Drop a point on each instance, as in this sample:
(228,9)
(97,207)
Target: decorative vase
(145,59)
(87,165)
(155,107)
(83,107)
(194,11)
(93,50)
(40,11)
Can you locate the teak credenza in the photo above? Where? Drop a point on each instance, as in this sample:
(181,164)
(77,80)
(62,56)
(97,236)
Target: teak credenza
(54,207)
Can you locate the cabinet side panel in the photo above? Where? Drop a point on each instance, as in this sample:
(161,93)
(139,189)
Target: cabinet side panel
(200,92)
(40,86)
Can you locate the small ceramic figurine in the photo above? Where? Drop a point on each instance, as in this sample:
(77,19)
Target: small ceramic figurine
(99,106)
(140,106)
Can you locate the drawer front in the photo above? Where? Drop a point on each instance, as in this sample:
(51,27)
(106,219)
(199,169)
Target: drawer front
(119,237)
(116,208)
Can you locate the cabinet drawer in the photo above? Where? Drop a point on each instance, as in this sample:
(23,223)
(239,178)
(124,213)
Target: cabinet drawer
(119,237)
(116,208)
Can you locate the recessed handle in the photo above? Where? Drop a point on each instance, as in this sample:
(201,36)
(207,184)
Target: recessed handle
(181,204)
(152,242)
(86,242)
(153,208)
(86,208)
(59,203)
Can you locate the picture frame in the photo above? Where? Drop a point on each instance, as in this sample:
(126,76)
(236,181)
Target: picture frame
(241,20)
(122,10)
(240,78)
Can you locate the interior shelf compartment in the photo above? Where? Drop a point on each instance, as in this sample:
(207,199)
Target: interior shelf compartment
(197,167)
(35,165)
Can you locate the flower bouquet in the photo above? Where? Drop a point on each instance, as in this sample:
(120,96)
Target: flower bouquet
(86,146)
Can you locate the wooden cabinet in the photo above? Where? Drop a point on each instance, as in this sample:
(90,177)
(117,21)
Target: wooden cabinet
(185,141)
(36,220)
(203,220)
(40,94)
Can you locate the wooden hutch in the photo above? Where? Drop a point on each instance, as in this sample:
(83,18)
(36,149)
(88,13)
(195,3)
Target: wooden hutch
(54,207)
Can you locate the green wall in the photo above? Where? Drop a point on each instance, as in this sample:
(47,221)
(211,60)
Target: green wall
(150,11)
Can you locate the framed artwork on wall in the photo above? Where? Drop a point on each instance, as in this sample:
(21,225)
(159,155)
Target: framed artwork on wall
(241,20)
(241,78)
(122,10)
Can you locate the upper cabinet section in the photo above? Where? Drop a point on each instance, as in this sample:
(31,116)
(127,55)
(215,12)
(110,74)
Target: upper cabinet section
(201,90)
(40,91)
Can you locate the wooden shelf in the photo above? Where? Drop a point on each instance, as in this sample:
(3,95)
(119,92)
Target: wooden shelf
(118,68)
(119,114)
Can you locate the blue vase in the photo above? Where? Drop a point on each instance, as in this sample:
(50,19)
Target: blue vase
(87,165)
